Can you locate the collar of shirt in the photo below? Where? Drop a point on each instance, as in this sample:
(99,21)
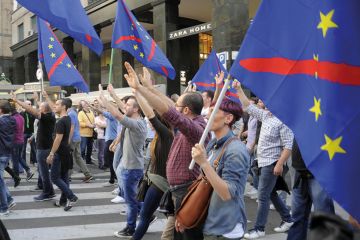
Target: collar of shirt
(218,143)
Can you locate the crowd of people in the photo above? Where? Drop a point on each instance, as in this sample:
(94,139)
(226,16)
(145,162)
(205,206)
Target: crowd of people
(148,136)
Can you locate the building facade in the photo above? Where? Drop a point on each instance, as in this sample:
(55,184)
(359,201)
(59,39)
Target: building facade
(6,8)
(186,30)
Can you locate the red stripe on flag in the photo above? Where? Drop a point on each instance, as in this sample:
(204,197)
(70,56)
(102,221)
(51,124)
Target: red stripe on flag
(334,72)
(165,71)
(152,51)
(202,84)
(127,38)
(56,64)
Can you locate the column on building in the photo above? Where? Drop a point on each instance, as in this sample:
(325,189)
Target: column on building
(165,15)
(30,65)
(19,71)
(230,20)
(120,57)
(68,45)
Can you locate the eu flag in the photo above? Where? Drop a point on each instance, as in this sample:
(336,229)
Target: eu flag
(302,58)
(129,35)
(204,79)
(70,17)
(61,71)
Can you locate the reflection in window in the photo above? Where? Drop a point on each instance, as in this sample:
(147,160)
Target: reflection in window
(205,46)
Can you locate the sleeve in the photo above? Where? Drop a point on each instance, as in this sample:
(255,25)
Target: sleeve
(236,168)
(60,127)
(82,121)
(286,136)
(72,118)
(160,128)
(109,116)
(135,125)
(186,126)
(257,113)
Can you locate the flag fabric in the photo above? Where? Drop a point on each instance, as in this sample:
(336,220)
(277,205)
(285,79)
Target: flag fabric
(204,79)
(60,69)
(129,35)
(302,59)
(70,17)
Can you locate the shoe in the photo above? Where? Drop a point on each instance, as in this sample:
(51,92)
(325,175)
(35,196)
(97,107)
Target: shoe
(17,181)
(87,179)
(70,204)
(272,207)
(153,219)
(90,163)
(284,227)
(126,232)
(12,204)
(118,199)
(123,212)
(108,184)
(252,193)
(44,197)
(115,191)
(36,189)
(59,204)
(4,213)
(254,234)
(29,175)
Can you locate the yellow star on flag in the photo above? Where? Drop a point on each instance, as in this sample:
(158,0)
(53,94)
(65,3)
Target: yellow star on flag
(52,39)
(53,55)
(68,65)
(326,22)
(50,46)
(136,47)
(142,55)
(316,108)
(332,146)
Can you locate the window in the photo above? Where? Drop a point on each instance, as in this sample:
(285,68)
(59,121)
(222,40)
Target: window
(205,46)
(92,1)
(20,32)
(33,23)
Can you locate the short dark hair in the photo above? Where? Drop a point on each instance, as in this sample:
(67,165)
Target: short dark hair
(194,102)
(67,102)
(5,106)
(210,94)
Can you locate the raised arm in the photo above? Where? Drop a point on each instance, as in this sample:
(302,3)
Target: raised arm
(219,82)
(48,100)
(112,109)
(240,92)
(118,101)
(27,108)
(145,107)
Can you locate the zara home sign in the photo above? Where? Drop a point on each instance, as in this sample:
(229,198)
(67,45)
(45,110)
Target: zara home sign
(205,27)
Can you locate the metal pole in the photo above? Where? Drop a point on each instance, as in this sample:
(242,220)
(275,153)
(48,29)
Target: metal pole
(212,116)
(111,65)
(40,77)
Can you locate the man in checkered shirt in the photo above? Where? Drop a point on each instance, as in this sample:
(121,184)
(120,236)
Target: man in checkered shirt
(274,148)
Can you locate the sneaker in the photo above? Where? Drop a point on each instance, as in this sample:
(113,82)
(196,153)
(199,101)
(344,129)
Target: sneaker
(108,184)
(29,175)
(252,191)
(126,232)
(118,199)
(44,197)
(284,227)
(59,204)
(115,191)
(153,219)
(272,207)
(12,204)
(87,179)
(36,189)
(70,204)
(254,234)
(17,181)
(4,213)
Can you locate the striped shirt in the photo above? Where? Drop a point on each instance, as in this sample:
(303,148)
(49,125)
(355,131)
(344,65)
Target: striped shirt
(274,136)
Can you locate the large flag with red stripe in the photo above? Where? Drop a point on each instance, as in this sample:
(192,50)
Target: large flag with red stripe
(60,69)
(204,79)
(302,58)
(70,17)
(129,35)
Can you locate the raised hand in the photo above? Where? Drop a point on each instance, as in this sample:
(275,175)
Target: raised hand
(110,89)
(45,95)
(237,85)
(219,78)
(131,76)
(145,78)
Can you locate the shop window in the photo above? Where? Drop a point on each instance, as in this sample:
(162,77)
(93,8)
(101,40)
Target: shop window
(205,46)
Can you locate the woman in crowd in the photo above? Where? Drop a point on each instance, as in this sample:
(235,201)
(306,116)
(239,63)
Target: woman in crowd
(100,126)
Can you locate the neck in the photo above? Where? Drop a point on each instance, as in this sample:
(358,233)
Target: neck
(135,116)
(220,133)
(206,105)
(63,113)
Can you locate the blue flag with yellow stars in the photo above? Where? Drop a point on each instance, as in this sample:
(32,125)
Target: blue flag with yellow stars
(60,70)
(70,17)
(129,35)
(204,79)
(302,58)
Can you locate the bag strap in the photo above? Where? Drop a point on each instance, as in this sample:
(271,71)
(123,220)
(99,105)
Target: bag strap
(216,162)
(87,117)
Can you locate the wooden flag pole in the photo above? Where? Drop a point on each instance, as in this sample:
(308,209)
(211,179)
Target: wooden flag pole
(111,65)
(212,116)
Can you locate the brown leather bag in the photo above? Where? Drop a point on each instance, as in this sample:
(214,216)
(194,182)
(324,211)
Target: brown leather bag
(195,205)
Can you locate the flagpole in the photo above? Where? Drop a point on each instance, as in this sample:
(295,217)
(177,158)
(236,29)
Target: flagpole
(212,116)
(111,65)
(40,77)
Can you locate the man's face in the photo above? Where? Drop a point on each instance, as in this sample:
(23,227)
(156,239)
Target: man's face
(84,105)
(261,104)
(58,107)
(129,107)
(179,104)
(96,103)
(206,98)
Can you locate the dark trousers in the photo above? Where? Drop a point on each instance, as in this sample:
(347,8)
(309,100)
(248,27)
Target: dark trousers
(109,158)
(17,160)
(86,147)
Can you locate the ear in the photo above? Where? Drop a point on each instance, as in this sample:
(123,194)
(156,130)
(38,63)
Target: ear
(186,110)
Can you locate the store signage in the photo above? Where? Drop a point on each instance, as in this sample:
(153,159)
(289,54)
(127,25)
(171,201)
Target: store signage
(223,57)
(190,31)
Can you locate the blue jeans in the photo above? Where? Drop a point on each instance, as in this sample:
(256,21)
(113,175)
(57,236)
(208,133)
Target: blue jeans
(86,147)
(101,151)
(151,203)
(267,183)
(307,192)
(61,179)
(253,172)
(5,197)
(47,187)
(131,178)
(118,169)
(17,159)
(32,149)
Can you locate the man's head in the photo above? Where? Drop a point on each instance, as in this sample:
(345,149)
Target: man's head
(28,102)
(5,107)
(132,107)
(261,104)
(190,104)
(207,96)
(229,112)
(62,105)
(84,105)
(174,97)
(96,103)
(45,107)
